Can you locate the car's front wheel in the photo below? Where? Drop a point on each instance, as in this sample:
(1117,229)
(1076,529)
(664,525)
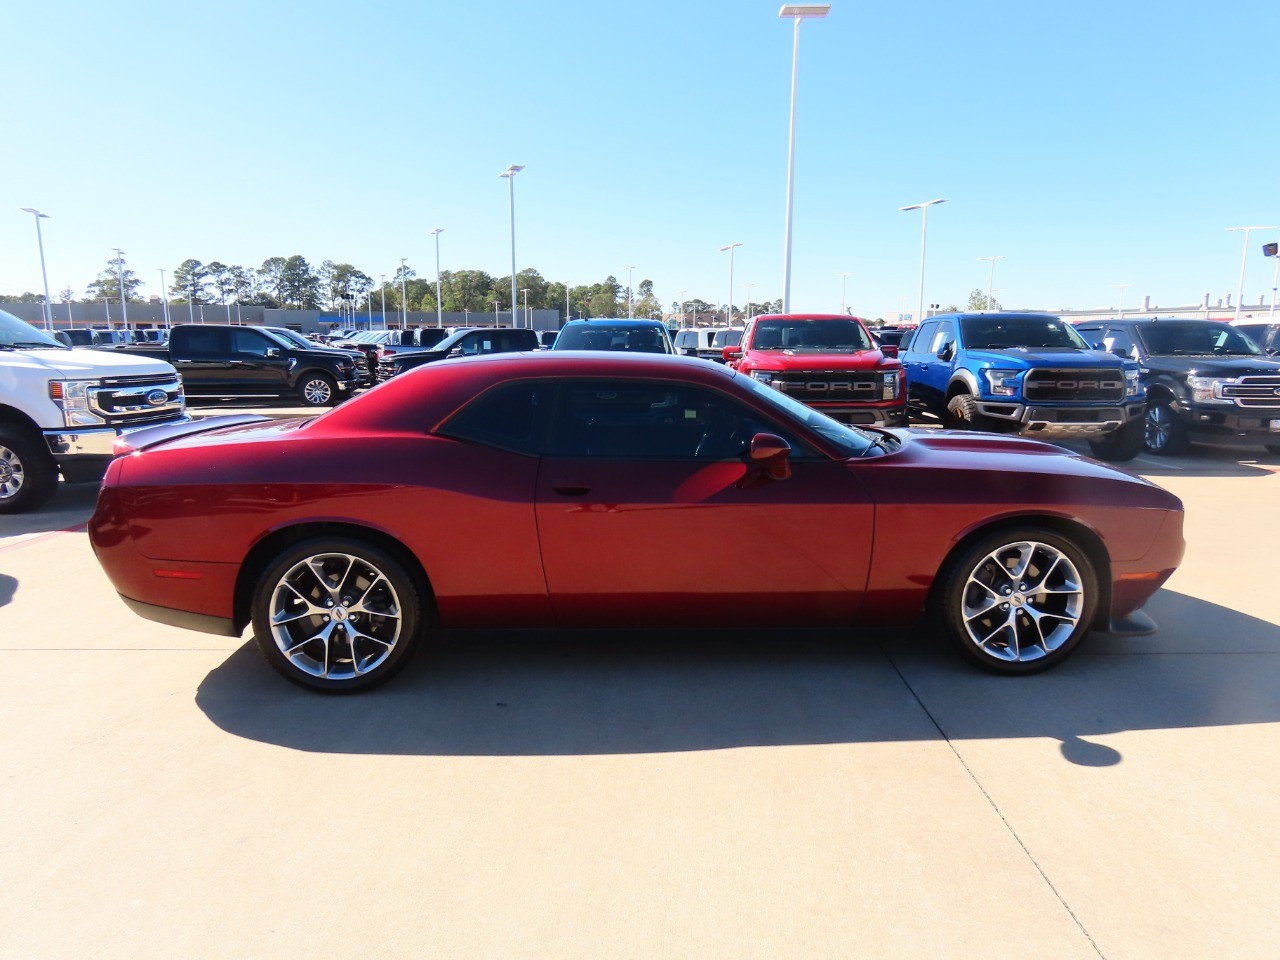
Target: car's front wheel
(337,615)
(962,414)
(1019,600)
(1165,434)
(28,474)
(1123,443)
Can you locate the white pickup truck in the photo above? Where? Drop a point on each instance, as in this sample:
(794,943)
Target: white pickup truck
(62,408)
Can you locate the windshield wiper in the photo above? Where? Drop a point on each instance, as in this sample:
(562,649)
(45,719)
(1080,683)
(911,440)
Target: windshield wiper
(33,345)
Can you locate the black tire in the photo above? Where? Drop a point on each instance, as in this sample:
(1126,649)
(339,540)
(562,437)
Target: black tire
(962,414)
(28,473)
(1122,444)
(314,644)
(1164,433)
(317,390)
(1273,448)
(976,579)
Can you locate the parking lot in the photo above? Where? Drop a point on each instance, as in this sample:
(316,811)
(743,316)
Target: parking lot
(631,794)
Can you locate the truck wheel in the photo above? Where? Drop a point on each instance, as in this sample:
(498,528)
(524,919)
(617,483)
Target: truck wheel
(1165,434)
(1123,443)
(1019,600)
(317,390)
(337,615)
(28,474)
(962,414)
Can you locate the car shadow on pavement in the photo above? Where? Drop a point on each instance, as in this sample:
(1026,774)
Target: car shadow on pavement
(8,587)
(552,693)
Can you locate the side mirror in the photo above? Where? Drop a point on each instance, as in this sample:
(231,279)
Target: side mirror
(273,352)
(455,352)
(772,452)
(1120,352)
(889,349)
(947,352)
(1099,346)
(731,353)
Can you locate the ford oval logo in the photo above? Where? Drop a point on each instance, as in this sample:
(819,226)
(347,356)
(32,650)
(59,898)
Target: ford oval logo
(157,398)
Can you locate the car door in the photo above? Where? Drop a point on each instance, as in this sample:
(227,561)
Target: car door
(202,355)
(258,364)
(650,513)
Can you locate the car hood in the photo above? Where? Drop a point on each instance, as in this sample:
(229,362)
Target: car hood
(785,360)
(1041,357)
(1216,366)
(85,363)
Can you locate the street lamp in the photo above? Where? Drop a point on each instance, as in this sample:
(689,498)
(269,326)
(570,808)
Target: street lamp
(1243,256)
(404,300)
(630,269)
(48,312)
(682,293)
(495,313)
(1120,308)
(1273,250)
(439,314)
(991,274)
(383,285)
(164,294)
(124,309)
(749,286)
(510,175)
(924,235)
(844,281)
(728,309)
(796,12)
(527,319)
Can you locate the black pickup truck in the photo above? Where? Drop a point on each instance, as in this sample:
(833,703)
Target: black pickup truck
(225,360)
(464,343)
(1205,381)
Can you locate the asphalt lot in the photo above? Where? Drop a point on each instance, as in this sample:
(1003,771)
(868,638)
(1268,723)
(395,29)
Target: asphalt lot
(164,794)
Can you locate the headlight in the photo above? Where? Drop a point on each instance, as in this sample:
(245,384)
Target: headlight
(1002,383)
(892,381)
(72,396)
(1207,389)
(764,376)
(1132,383)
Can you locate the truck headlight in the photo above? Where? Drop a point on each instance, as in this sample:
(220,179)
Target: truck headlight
(764,376)
(1207,389)
(1132,383)
(1002,383)
(892,383)
(72,397)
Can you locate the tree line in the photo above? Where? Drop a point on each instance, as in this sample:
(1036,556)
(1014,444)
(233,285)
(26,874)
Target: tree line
(294,283)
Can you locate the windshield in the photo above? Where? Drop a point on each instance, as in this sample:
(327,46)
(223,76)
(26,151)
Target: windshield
(15,333)
(606,336)
(1003,333)
(1200,338)
(817,336)
(851,441)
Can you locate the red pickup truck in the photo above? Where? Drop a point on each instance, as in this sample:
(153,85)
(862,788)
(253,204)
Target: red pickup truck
(827,361)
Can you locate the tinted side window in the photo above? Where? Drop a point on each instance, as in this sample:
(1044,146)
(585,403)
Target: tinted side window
(512,417)
(249,343)
(1118,341)
(924,333)
(202,344)
(945,336)
(652,420)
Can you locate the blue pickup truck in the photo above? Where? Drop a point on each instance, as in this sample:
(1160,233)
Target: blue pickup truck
(1026,373)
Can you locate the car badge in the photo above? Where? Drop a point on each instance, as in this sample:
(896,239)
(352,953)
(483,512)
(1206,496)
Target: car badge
(156,397)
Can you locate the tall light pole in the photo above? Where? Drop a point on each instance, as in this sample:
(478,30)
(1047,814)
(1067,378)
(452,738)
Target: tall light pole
(682,293)
(191,293)
(924,236)
(728,309)
(527,319)
(796,12)
(749,286)
(48,311)
(991,275)
(844,281)
(404,300)
(630,269)
(383,286)
(1244,254)
(1120,308)
(566,302)
(439,309)
(124,309)
(495,313)
(510,175)
(164,295)
(1271,250)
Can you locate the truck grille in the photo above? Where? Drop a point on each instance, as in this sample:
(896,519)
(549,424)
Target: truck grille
(1254,392)
(1045,385)
(128,401)
(829,385)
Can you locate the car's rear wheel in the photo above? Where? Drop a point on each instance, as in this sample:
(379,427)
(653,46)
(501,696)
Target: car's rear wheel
(1019,600)
(1165,434)
(28,474)
(337,615)
(317,390)
(1123,443)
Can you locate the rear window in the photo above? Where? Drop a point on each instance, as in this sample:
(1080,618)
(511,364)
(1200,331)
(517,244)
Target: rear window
(603,336)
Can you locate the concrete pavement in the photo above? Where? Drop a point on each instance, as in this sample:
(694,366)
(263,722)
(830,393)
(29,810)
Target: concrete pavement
(164,794)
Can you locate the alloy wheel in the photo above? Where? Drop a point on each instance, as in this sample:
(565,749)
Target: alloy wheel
(12,474)
(335,616)
(317,392)
(1022,601)
(1159,428)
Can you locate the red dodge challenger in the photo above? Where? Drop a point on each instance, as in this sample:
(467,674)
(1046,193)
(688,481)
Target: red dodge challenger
(608,490)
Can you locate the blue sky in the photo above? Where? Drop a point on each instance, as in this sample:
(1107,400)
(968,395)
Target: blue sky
(1090,143)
